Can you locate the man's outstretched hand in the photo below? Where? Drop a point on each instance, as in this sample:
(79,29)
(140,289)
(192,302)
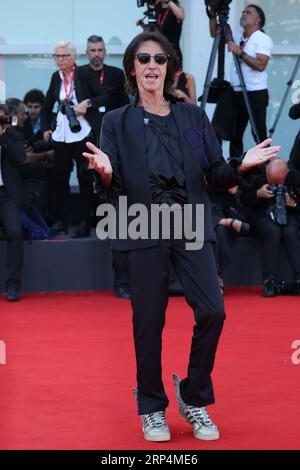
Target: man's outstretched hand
(99,162)
(258,155)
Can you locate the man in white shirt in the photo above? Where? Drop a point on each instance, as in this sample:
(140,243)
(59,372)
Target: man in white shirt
(253,48)
(68,143)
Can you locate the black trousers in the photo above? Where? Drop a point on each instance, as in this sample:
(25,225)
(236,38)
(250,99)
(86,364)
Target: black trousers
(259,102)
(11,221)
(120,268)
(63,163)
(223,248)
(272,235)
(149,289)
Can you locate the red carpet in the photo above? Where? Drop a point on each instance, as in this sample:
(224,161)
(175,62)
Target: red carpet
(70,369)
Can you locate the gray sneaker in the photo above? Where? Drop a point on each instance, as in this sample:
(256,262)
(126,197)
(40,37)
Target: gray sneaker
(155,426)
(198,417)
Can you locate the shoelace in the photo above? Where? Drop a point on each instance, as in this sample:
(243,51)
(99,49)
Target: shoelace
(154,419)
(198,414)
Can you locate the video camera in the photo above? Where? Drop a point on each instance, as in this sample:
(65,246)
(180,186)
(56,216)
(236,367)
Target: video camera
(151,11)
(66,108)
(220,7)
(8,120)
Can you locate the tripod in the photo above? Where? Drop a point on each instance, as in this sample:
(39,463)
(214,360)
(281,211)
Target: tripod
(223,35)
(289,85)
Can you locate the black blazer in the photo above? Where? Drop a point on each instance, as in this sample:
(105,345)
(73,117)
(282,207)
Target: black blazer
(13,156)
(123,140)
(111,94)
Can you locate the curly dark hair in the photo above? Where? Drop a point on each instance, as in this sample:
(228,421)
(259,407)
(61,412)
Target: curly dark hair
(34,96)
(129,56)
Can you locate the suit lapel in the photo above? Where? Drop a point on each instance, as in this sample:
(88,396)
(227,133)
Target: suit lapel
(134,143)
(135,140)
(186,124)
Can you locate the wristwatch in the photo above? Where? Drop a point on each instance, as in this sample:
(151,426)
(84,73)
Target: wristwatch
(89,103)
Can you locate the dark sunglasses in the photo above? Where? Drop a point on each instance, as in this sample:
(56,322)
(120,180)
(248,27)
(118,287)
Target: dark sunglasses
(144,58)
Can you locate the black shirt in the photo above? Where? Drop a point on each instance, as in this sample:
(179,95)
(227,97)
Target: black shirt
(167,181)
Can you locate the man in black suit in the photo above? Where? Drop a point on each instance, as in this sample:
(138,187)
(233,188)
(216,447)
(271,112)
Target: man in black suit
(12,155)
(96,77)
(159,151)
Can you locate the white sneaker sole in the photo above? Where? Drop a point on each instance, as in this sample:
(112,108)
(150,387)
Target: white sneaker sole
(158,438)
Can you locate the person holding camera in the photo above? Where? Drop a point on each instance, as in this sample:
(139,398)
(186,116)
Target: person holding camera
(69,133)
(155,151)
(272,194)
(169,19)
(253,47)
(12,156)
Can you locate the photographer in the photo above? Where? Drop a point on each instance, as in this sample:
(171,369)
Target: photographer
(69,134)
(272,195)
(169,17)
(12,156)
(253,47)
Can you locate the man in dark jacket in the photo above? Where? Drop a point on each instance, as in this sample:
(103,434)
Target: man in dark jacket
(12,155)
(97,79)
(162,152)
(100,81)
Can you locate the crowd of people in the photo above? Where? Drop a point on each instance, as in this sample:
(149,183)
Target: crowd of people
(156,146)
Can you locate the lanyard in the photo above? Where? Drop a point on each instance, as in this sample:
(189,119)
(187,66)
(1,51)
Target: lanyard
(102,76)
(70,91)
(162,18)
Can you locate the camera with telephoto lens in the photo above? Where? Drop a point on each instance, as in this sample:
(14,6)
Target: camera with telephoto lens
(8,120)
(277,211)
(66,108)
